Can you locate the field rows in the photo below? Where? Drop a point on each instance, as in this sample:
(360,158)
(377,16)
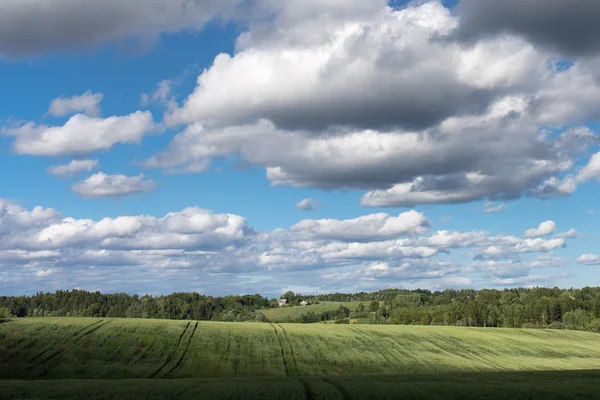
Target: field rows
(119,348)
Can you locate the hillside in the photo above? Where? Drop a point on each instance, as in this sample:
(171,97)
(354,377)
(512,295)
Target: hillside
(280,314)
(54,348)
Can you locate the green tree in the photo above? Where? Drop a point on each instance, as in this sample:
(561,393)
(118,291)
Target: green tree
(374,306)
(5,312)
(578,319)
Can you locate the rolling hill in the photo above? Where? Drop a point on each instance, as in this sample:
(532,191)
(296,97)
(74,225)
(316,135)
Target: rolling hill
(313,357)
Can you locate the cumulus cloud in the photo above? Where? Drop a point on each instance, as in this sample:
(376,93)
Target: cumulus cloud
(372,227)
(33,27)
(117,186)
(589,259)
(380,94)
(591,170)
(567,26)
(81,134)
(571,233)
(356,114)
(539,245)
(544,229)
(44,273)
(308,204)
(73,168)
(87,103)
(196,245)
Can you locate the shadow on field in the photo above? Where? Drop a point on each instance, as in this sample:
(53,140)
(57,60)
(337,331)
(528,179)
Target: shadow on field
(501,385)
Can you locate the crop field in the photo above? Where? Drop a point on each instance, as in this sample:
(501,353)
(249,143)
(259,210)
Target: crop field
(280,314)
(127,358)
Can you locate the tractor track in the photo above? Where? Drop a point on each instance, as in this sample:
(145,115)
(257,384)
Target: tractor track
(287,372)
(290,345)
(172,354)
(65,338)
(310,393)
(344,392)
(380,346)
(185,351)
(94,329)
(78,336)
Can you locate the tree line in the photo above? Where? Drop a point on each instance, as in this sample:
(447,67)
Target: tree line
(80,303)
(552,308)
(509,308)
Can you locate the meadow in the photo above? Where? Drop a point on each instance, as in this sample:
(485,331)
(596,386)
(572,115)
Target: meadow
(132,358)
(280,314)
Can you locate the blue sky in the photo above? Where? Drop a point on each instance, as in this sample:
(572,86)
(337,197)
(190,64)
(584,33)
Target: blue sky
(425,161)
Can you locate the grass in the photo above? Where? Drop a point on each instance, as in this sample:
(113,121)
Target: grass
(121,358)
(280,314)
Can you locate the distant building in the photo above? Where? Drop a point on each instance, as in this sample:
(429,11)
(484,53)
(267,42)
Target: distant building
(305,303)
(282,302)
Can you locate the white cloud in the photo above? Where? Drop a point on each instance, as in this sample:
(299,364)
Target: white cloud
(308,204)
(591,170)
(73,168)
(589,259)
(80,134)
(553,186)
(163,94)
(138,253)
(491,208)
(571,233)
(529,281)
(372,227)
(544,229)
(320,91)
(356,115)
(44,273)
(540,245)
(23,255)
(88,103)
(103,185)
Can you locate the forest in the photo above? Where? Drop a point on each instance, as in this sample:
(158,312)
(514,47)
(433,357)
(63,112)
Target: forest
(508,308)
(181,306)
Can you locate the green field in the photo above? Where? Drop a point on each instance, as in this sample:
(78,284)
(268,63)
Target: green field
(188,359)
(280,314)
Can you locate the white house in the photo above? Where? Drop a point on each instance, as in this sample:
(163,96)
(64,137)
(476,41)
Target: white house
(282,302)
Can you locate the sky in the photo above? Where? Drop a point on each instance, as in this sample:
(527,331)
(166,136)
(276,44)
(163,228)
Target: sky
(260,146)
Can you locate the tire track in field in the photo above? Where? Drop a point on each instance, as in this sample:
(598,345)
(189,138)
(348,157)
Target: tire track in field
(379,345)
(310,393)
(78,339)
(63,339)
(340,388)
(79,335)
(287,372)
(170,356)
(473,355)
(184,353)
(290,346)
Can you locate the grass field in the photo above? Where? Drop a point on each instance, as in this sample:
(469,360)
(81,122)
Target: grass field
(280,314)
(251,360)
